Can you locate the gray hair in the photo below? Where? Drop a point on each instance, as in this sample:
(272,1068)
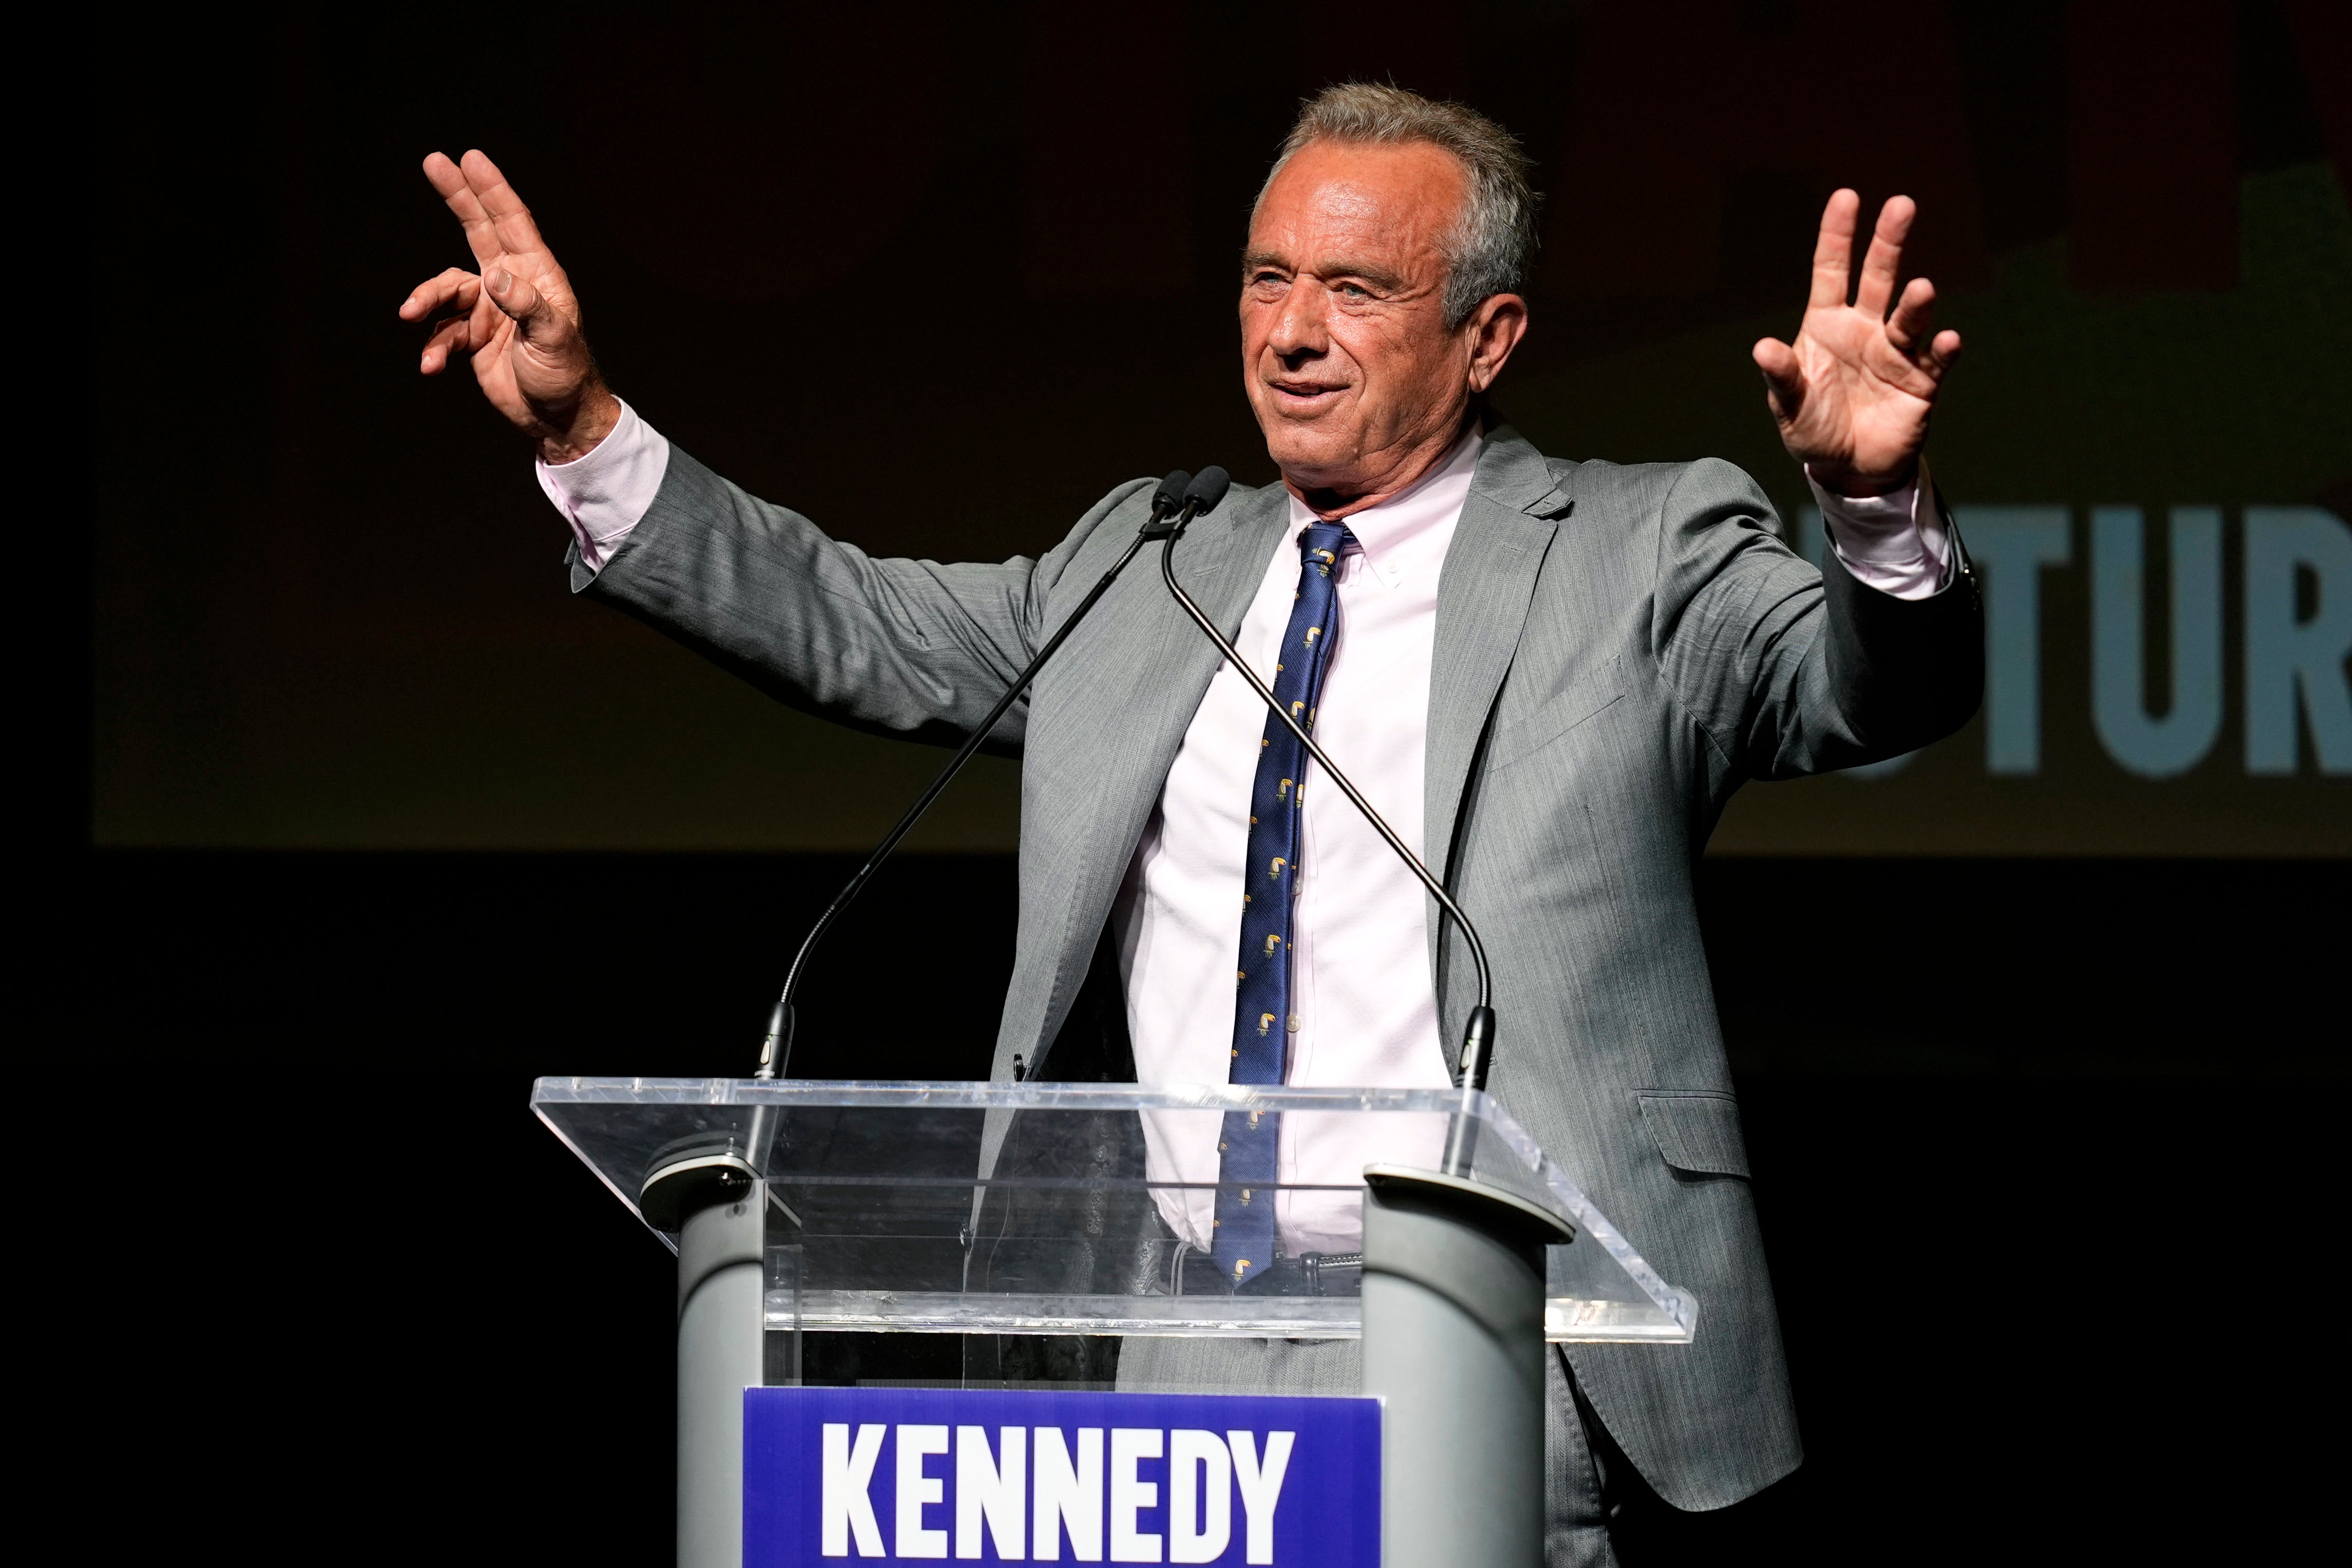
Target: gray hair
(1493,244)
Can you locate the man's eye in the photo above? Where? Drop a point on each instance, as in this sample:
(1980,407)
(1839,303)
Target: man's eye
(1355,291)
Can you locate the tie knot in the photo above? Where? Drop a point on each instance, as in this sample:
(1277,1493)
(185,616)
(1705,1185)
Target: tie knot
(1323,543)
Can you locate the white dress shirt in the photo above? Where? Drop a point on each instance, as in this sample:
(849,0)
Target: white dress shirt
(1364,1008)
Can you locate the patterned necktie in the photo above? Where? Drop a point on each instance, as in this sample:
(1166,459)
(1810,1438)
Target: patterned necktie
(1262,1006)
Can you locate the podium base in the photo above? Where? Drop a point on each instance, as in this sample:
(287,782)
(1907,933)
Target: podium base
(721,1300)
(1453,1348)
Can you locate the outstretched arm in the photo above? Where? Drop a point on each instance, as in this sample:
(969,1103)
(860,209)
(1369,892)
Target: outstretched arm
(1789,670)
(1786,670)
(910,648)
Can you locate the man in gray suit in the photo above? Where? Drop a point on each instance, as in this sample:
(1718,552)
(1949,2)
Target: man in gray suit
(1550,674)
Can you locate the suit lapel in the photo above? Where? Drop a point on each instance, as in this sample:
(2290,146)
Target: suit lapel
(1135,733)
(1224,580)
(1221,564)
(1482,605)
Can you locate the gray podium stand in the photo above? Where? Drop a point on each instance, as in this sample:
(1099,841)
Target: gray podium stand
(1017,1215)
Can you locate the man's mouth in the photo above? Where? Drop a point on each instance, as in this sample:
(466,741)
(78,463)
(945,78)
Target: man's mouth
(1304,396)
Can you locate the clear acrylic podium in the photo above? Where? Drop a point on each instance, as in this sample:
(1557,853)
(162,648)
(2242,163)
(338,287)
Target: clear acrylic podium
(1012,1213)
(879,1215)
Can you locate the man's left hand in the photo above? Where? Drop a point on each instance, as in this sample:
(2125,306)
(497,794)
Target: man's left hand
(1853,394)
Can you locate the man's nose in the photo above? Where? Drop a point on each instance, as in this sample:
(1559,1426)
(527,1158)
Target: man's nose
(1299,329)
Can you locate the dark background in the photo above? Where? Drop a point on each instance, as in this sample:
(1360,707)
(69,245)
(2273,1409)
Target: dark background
(376,815)
(853,258)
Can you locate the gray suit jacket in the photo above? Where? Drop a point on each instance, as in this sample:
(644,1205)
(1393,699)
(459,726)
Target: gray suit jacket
(1618,649)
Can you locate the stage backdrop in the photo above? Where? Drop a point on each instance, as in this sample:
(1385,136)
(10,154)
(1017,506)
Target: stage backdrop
(859,261)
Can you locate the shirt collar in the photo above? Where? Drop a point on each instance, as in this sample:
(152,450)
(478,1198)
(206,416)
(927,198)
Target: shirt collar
(1390,531)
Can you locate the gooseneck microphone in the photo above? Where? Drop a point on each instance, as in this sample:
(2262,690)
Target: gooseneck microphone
(1477,1054)
(1173,505)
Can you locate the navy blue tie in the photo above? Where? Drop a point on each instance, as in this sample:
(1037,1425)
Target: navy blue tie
(1252,1140)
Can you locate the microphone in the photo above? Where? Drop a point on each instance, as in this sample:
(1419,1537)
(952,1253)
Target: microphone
(1169,498)
(1172,504)
(1207,491)
(1477,1054)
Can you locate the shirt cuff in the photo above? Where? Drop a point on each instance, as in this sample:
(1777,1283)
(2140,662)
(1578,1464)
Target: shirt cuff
(605,491)
(1896,543)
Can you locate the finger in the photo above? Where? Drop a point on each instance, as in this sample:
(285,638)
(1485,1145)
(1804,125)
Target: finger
(1833,251)
(1884,261)
(1941,353)
(450,181)
(442,174)
(488,320)
(1914,321)
(1784,382)
(457,286)
(509,219)
(451,337)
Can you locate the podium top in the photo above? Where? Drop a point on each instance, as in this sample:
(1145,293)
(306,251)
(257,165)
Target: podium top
(1080,1209)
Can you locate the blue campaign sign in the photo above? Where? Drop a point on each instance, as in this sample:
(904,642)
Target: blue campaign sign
(907,1474)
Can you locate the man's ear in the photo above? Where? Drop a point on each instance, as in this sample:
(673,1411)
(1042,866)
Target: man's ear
(1496,328)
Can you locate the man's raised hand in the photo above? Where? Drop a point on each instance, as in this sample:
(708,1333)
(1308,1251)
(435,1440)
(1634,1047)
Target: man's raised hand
(1852,394)
(515,316)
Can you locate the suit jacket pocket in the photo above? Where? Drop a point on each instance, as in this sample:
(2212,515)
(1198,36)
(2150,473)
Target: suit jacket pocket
(1697,1131)
(1555,716)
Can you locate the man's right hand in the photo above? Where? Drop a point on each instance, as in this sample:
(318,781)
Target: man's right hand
(516,317)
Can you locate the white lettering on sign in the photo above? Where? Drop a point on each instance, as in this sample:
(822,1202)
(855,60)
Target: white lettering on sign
(2297,629)
(1068,1494)
(993,1489)
(847,1506)
(1199,1496)
(1030,1489)
(2012,544)
(1130,1495)
(2286,657)
(916,1488)
(1261,1486)
(2156,748)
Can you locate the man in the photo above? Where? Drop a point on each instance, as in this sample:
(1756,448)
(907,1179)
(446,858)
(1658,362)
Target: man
(1550,676)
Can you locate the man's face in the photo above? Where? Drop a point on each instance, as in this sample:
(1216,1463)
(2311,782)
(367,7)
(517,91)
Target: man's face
(1344,352)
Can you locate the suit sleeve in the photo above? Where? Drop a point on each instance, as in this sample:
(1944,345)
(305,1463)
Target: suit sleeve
(908,648)
(1789,670)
